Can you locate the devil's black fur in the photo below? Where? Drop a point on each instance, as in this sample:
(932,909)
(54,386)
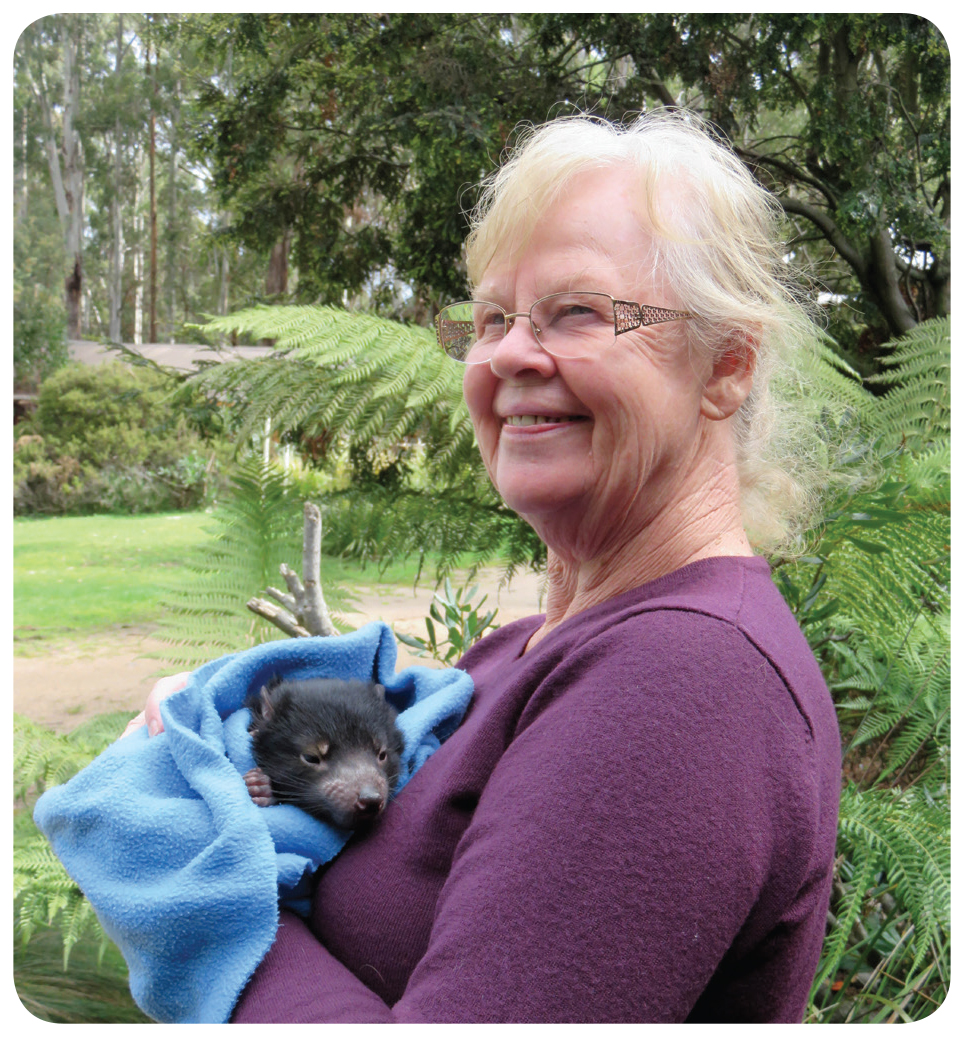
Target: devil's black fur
(328,746)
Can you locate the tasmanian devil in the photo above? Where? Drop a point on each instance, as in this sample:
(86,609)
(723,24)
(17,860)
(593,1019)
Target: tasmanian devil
(328,746)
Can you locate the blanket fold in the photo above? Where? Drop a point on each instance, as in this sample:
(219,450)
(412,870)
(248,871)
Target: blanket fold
(184,871)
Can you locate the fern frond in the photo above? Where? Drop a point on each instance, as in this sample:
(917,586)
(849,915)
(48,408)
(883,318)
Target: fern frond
(256,528)
(44,892)
(916,408)
(906,837)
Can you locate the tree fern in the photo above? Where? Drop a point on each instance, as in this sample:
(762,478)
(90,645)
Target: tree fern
(872,596)
(914,412)
(358,376)
(257,526)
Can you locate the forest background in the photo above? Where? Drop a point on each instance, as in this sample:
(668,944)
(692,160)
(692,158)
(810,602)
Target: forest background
(300,181)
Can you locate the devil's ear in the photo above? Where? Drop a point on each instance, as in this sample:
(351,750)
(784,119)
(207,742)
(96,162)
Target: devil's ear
(267,703)
(379,691)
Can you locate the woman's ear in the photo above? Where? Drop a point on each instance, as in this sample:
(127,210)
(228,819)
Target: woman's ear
(731,377)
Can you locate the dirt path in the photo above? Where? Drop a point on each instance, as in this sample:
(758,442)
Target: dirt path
(73,682)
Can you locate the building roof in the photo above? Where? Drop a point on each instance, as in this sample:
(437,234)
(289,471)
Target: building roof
(175,356)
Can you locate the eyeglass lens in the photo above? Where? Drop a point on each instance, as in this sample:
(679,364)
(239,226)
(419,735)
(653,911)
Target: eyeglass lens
(569,325)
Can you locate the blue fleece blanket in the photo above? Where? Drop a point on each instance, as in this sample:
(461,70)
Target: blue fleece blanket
(184,871)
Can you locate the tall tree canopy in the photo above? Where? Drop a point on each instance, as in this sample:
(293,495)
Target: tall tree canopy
(329,157)
(845,117)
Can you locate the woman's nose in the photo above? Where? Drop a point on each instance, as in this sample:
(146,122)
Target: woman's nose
(518,350)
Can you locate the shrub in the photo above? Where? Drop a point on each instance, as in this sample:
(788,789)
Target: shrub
(40,342)
(107,439)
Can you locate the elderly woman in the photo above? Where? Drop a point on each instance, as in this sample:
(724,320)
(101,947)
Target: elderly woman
(636,819)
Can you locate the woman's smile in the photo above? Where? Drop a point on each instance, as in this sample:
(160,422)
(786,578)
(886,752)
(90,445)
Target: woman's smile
(533,424)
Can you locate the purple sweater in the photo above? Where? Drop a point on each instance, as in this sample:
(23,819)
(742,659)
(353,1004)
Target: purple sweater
(635,822)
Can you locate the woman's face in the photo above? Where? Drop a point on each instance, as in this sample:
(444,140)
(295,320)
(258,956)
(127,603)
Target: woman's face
(589,451)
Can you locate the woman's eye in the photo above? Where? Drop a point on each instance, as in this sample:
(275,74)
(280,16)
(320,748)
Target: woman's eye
(570,317)
(490,324)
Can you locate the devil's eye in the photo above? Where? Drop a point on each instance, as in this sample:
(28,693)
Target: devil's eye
(311,758)
(381,755)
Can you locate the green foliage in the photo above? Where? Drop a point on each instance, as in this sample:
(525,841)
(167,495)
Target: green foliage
(356,140)
(95,990)
(914,412)
(40,344)
(256,527)
(325,358)
(65,967)
(359,132)
(44,892)
(872,596)
(463,620)
(107,412)
(106,439)
(887,947)
(375,385)
(846,117)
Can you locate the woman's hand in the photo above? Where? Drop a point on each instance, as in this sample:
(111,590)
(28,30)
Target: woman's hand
(150,716)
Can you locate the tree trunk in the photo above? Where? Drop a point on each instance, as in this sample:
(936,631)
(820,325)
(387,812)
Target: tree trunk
(66,166)
(276,283)
(138,258)
(74,178)
(151,73)
(117,251)
(277,271)
(885,284)
(21,189)
(72,300)
(172,233)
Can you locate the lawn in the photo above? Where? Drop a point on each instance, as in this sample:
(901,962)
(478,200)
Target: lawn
(76,576)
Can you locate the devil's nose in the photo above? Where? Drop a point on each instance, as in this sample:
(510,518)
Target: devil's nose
(369,803)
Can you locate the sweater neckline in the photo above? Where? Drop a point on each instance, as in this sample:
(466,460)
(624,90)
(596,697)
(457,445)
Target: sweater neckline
(663,584)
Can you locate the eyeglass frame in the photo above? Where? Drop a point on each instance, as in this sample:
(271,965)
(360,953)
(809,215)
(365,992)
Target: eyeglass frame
(627,316)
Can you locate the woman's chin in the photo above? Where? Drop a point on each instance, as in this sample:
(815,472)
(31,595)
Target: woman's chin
(543,501)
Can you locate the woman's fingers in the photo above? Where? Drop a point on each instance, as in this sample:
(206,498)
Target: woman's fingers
(150,716)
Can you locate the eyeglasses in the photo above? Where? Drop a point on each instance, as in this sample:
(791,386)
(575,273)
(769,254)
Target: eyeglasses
(567,325)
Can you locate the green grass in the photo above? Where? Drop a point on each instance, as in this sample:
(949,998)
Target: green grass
(75,577)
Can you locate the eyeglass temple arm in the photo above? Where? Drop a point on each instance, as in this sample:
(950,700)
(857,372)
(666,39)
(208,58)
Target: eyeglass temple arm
(629,315)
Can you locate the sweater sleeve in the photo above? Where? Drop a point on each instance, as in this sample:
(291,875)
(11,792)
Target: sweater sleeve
(617,851)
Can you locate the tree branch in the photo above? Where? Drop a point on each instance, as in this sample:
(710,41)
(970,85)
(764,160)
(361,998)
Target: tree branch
(278,616)
(796,173)
(303,612)
(831,230)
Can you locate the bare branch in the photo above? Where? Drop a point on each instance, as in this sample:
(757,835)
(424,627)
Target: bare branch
(278,616)
(303,612)
(312,609)
(282,598)
(293,583)
(756,159)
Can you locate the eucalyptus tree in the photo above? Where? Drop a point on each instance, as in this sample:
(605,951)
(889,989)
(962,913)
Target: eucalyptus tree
(49,58)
